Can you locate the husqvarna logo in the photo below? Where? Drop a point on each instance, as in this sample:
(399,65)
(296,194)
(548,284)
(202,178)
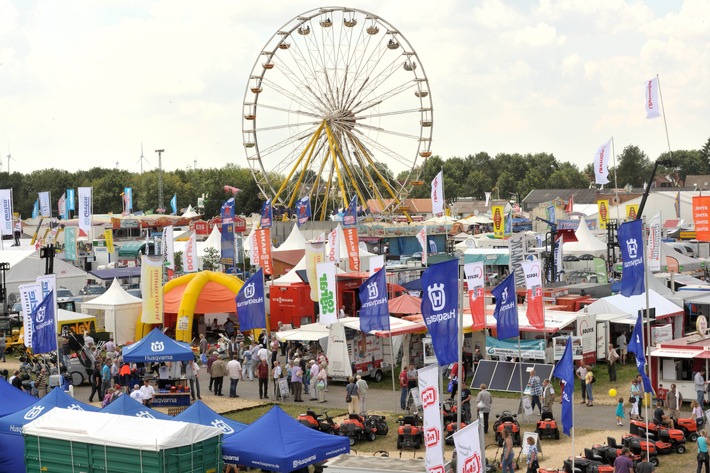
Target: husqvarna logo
(220,424)
(75,407)
(372,291)
(34,412)
(504,296)
(40,314)
(249,290)
(437,296)
(145,415)
(157,346)
(632,247)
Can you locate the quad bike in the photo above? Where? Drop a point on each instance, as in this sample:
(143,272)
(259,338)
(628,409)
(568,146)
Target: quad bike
(547,426)
(358,427)
(410,433)
(667,440)
(322,421)
(506,420)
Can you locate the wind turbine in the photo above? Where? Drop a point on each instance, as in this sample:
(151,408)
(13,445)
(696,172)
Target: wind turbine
(142,158)
(9,157)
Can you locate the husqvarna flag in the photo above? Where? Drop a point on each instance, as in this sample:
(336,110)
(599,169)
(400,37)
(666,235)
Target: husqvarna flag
(303,210)
(654,244)
(6,209)
(251,310)
(437,194)
(30,296)
(506,311)
(325,274)
(44,334)
(421,238)
(440,299)
(565,372)
(45,206)
(334,245)
(631,245)
(152,290)
(653,106)
(601,163)
(428,379)
(475,281)
(533,283)
(351,245)
(62,206)
(267,214)
(468,450)
(350,216)
(374,307)
(189,255)
(85,210)
(635,346)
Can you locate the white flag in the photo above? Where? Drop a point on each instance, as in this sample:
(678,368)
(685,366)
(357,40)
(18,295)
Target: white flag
(488,198)
(152,290)
(6,209)
(601,163)
(558,256)
(437,194)
(189,256)
(433,433)
(31,297)
(168,250)
(654,244)
(62,206)
(45,206)
(333,252)
(376,263)
(85,211)
(327,300)
(653,106)
(421,238)
(468,449)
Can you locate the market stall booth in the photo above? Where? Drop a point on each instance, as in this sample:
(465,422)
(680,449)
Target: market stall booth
(677,361)
(200,413)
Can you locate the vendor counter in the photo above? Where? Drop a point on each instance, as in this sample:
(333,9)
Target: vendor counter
(171,399)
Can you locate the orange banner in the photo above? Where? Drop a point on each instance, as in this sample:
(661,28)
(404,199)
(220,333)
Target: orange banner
(263,240)
(351,243)
(477,304)
(701,217)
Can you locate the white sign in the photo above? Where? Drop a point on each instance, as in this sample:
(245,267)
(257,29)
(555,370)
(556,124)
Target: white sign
(559,344)
(85,210)
(327,296)
(468,450)
(189,257)
(433,433)
(662,334)
(587,330)
(6,212)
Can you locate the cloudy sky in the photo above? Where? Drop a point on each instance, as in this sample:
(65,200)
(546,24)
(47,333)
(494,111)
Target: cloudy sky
(83,83)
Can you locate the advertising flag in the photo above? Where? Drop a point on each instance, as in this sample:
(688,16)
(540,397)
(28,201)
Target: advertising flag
(559,256)
(551,213)
(303,210)
(85,211)
(351,245)
(654,244)
(251,310)
(630,236)
(45,207)
(315,253)
(533,284)
(35,209)
(263,247)
(350,216)
(440,299)
(437,194)
(376,262)
(701,217)
(601,163)
(327,303)
(506,310)
(374,307)
(334,244)
(267,214)
(70,201)
(108,239)
(421,238)
(653,106)
(508,227)
(30,297)
(189,255)
(227,211)
(168,251)
(631,211)
(62,206)
(570,204)
(428,381)
(468,449)
(152,290)
(70,243)
(44,332)
(676,204)
(603,207)
(498,214)
(564,370)
(475,281)
(173,204)
(635,346)
(488,198)
(6,209)
(227,252)
(128,200)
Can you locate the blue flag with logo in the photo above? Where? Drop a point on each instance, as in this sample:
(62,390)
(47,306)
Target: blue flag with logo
(70,200)
(251,310)
(173,203)
(44,335)
(631,245)
(128,195)
(506,311)
(635,346)
(508,226)
(227,211)
(35,209)
(374,304)
(267,214)
(303,210)
(350,216)
(440,300)
(564,370)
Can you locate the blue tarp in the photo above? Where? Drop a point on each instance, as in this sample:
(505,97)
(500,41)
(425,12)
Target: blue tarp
(156,346)
(290,444)
(415,285)
(125,405)
(199,413)
(13,399)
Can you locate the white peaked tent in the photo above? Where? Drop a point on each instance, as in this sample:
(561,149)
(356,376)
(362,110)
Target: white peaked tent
(26,265)
(295,241)
(117,311)
(586,244)
(212,241)
(190,213)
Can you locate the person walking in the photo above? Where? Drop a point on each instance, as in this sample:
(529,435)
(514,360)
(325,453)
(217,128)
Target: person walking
(262,373)
(297,380)
(484,401)
(321,384)
(620,412)
(699,384)
(248,365)
(535,390)
(508,455)
(235,374)
(589,380)
(362,388)
(703,459)
(41,383)
(95,379)
(403,388)
(276,373)
(532,463)
(314,370)
(611,358)
(674,399)
(219,371)
(191,373)
(581,375)
(351,397)
(203,344)
(548,395)
(621,342)
(210,361)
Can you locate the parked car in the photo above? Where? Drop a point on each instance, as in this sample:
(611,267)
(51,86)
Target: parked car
(93,290)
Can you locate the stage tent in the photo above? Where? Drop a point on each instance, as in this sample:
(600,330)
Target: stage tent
(290,444)
(586,244)
(13,399)
(125,405)
(26,265)
(117,311)
(156,346)
(200,413)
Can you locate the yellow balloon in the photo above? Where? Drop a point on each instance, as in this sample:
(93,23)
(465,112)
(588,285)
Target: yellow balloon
(612,392)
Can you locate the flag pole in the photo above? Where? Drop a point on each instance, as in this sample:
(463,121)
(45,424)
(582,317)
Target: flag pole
(459,341)
(648,323)
(665,124)
(616,183)
(394,389)
(572,429)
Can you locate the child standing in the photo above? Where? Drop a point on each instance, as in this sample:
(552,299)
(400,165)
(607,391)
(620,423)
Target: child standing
(620,412)
(634,414)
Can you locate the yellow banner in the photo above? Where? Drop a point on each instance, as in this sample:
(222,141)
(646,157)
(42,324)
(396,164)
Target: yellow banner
(152,290)
(631,211)
(315,253)
(498,213)
(108,236)
(603,206)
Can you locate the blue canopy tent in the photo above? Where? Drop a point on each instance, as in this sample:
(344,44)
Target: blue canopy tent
(13,399)
(12,444)
(199,413)
(156,346)
(287,445)
(125,405)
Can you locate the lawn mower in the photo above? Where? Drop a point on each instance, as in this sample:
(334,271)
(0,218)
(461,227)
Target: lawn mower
(449,416)
(581,464)
(640,447)
(603,467)
(506,420)
(667,440)
(322,421)
(689,428)
(547,426)
(410,433)
(357,427)
(608,452)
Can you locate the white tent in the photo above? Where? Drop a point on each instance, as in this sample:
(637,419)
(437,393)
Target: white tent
(190,213)
(117,311)
(618,304)
(295,241)
(26,265)
(212,241)
(586,244)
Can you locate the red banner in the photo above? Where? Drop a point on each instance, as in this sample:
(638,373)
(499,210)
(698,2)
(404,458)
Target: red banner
(701,217)
(533,282)
(263,239)
(351,243)
(477,304)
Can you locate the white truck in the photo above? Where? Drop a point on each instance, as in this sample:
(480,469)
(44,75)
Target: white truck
(351,352)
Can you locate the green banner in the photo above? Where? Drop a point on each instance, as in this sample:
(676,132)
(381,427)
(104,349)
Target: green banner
(600,269)
(70,243)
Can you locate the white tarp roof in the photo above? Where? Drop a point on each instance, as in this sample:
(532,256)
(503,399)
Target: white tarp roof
(295,241)
(212,241)
(69,316)
(117,311)
(99,428)
(475,220)
(190,213)
(114,295)
(586,243)
(314,332)
(555,320)
(688,263)
(26,265)
(618,304)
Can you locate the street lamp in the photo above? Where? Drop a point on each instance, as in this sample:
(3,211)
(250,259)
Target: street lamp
(160,178)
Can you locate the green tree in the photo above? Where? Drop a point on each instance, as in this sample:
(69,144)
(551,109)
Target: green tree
(634,167)
(210,261)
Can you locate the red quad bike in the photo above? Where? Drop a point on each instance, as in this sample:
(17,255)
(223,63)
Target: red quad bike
(410,433)
(322,421)
(640,447)
(357,427)
(449,414)
(689,428)
(547,426)
(506,420)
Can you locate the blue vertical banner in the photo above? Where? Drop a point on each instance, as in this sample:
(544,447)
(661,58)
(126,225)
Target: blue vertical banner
(251,310)
(267,214)
(350,216)
(440,299)
(70,199)
(508,225)
(374,304)
(303,210)
(631,245)
(128,199)
(551,213)
(44,334)
(227,211)
(506,311)
(227,256)
(635,346)
(35,209)
(565,371)
(173,203)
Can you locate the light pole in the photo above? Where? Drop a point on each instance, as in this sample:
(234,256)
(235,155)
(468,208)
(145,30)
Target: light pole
(160,178)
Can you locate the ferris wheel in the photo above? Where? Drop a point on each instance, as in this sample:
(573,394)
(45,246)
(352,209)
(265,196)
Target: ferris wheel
(337,105)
